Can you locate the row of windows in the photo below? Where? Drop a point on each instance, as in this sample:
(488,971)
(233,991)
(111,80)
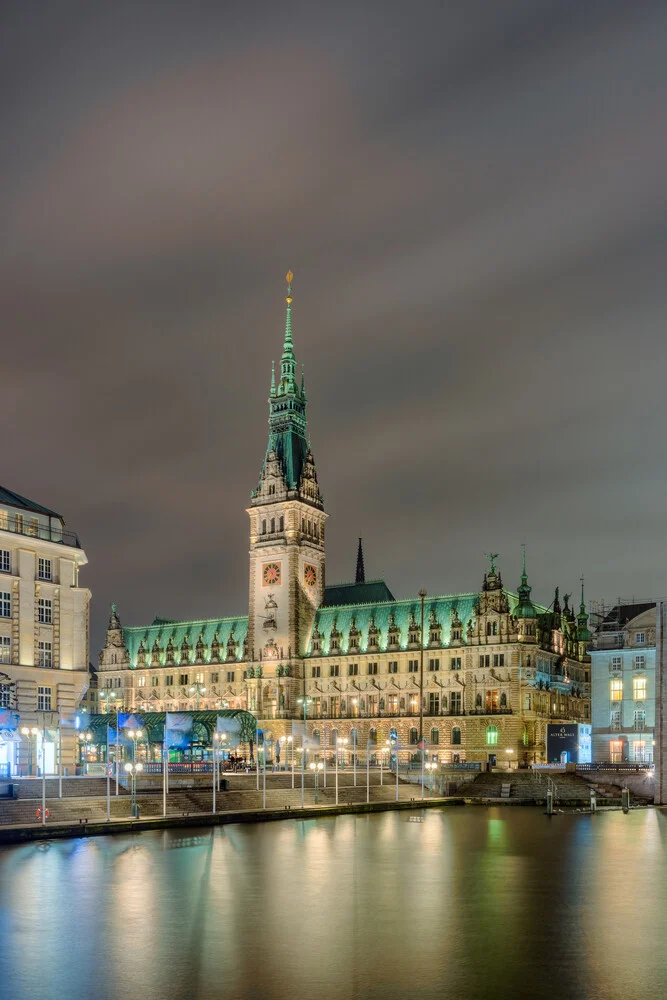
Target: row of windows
(44,608)
(638,663)
(639,719)
(44,568)
(19,523)
(44,652)
(183,679)
(392,667)
(639,688)
(413,737)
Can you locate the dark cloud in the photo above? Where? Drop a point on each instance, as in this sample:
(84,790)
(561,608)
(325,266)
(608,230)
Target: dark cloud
(472,199)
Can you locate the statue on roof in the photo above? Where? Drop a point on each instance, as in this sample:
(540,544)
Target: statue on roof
(492,556)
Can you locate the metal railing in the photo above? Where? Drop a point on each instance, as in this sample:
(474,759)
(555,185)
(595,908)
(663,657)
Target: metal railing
(625,765)
(46,533)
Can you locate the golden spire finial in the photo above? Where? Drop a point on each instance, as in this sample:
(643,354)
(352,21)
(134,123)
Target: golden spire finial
(289,278)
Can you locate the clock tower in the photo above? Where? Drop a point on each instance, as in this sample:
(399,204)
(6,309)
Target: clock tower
(286,546)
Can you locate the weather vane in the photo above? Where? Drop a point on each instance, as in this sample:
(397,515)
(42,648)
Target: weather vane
(492,556)
(289,278)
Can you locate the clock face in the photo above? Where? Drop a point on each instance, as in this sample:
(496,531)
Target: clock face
(310,575)
(271,574)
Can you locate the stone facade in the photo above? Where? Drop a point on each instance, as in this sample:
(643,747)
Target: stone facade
(44,632)
(477,676)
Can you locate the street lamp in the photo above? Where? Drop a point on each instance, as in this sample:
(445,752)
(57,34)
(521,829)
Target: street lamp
(134,734)
(288,742)
(133,770)
(430,766)
(218,740)
(84,740)
(30,732)
(196,689)
(316,768)
(107,697)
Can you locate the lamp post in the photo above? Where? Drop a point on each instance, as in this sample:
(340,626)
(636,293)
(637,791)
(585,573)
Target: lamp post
(84,740)
(422,596)
(431,768)
(394,744)
(288,742)
(30,733)
(218,740)
(196,689)
(316,768)
(133,770)
(134,734)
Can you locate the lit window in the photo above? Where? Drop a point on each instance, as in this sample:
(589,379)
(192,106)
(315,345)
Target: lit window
(491,736)
(44,569)
(617,690)
(44,654)
(33,526)
(5,561)
(44,611)
(43,699)
(4,520)
(616,751)
(18,523)
(141,681)
(639,688)
(5,605)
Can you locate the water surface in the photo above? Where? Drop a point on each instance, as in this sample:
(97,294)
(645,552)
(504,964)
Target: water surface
(465,903)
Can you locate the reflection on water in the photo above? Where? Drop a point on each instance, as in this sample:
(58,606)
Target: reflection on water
(468,903)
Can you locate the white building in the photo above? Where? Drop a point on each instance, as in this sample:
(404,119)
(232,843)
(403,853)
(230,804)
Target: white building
(623,684)
(44,634)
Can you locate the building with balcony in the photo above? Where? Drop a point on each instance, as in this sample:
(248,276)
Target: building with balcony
(477,676)
(623,657)
(44,631)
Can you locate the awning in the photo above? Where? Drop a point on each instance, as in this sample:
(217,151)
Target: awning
(10,736)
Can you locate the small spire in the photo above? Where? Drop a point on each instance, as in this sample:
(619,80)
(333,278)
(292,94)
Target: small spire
(288,348)
(524,576)
(582,606)
(361,576)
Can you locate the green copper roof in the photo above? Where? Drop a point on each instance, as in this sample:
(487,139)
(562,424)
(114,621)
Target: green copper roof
(366,592)
(444,608)
(162,630)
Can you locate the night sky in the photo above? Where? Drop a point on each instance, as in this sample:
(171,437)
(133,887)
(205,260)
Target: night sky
(473,199)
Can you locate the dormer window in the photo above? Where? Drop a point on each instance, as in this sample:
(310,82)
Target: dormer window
(456,633)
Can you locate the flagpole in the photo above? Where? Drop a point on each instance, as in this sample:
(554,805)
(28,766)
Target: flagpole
(422,755)
(60,761)
(336,749)
(43,773)
(303,771)
(165,764)
(397,768)
(368,774)
(116,754)
(324,733)
(264,777)
(108,787)
(214,774)
(257,755)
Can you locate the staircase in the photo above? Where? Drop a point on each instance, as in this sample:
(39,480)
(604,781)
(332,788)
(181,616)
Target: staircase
(531,786)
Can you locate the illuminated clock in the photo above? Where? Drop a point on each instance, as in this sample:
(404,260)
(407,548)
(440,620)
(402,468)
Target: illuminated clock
(310,575)
(271,574)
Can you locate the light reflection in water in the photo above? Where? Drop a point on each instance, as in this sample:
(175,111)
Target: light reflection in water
(467,903)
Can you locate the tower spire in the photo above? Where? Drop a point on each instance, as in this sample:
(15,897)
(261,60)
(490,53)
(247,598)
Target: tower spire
(361,575)
(273,378)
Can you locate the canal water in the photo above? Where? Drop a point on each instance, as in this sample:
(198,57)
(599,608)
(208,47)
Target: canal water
(460,903)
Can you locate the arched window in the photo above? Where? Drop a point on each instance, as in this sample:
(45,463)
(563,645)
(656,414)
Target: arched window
(456,736)
(333,736)
(489,629)
(354,738)
(282,523)
(495,628)
(373,736)
(414,736)
(491,736)
(503,700)
(316,736)
(435,736)
(264,527)
(478,701)
(273,525)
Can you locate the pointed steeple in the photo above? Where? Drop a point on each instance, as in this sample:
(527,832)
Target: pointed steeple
(525,608)
(361,576)
(583,632)
(288,441)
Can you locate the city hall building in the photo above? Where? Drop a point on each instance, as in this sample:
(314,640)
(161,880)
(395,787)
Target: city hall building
(478,676)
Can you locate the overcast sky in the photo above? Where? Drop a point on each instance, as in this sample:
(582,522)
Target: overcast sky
(472,198)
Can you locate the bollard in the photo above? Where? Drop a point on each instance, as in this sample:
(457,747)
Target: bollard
(550,803)
(625,800)
(594,804)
